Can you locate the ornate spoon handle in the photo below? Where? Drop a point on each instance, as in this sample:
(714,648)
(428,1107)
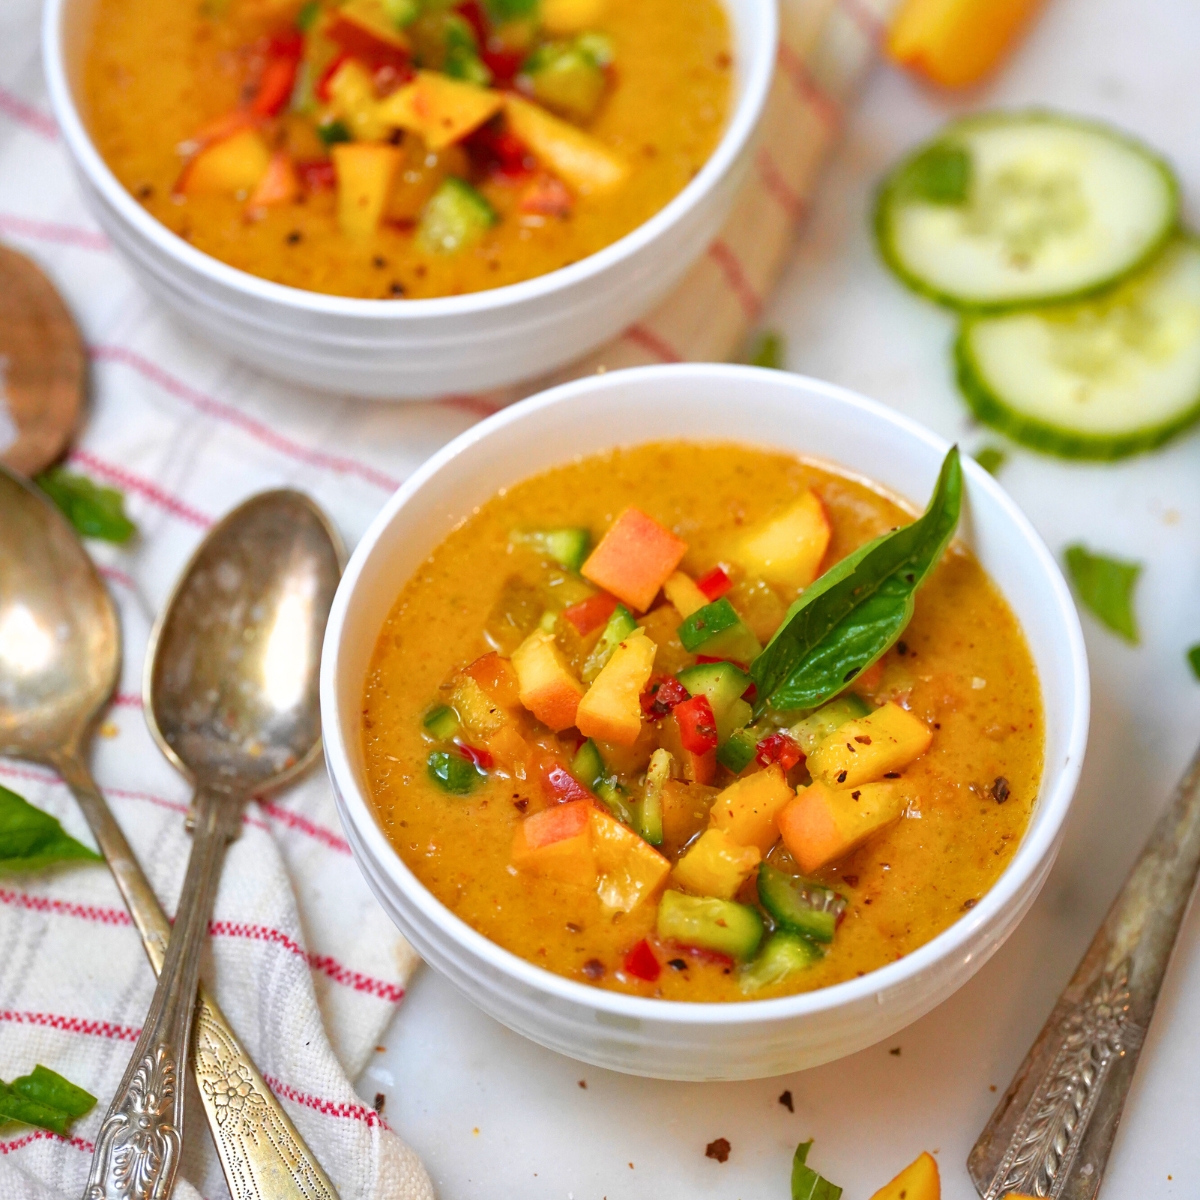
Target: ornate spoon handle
(1052,1133)
(262,1154)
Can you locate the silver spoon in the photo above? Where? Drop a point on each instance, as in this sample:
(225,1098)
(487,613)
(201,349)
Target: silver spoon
(60,656)
(231,697)
(1052,1133)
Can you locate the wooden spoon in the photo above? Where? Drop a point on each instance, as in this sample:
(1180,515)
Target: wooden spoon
(43,367)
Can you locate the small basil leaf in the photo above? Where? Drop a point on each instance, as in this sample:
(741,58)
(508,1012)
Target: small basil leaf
(1193,657)
(768,351)
(44,1099)
(806,1183)
(844,621)
(991,458)
(31,839)
(95,511)
(940,174)
(1105,588)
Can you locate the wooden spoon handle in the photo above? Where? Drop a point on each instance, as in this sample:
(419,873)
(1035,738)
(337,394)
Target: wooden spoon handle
(1051,1134)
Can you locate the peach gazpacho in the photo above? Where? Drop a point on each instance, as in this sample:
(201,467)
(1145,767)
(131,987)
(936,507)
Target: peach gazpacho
(704,722)
(406,148)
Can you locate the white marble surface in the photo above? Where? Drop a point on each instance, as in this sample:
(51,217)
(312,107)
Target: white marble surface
(493,1115)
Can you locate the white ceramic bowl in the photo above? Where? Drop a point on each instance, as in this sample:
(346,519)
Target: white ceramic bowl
(767,408)
(410,348)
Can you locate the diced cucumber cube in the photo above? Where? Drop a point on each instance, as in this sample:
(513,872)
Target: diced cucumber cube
(567,547)
(441,722)
(568,77)
(620,625)
(649,810)
(738,752)
(455,216)
(452,773)
(784,955)
(615,801)
(810,732)
(588,766)
(710,923)
(717,631)
(800,905)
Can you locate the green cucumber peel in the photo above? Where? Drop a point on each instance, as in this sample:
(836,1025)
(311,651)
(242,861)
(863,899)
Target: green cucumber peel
(785,954)
(31,839)
(806,1183)
(452,773)
(854,612)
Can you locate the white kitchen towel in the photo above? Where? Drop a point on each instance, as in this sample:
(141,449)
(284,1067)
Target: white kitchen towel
(303,961)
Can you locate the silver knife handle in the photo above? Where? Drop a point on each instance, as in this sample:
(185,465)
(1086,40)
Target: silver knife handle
(1052,1133)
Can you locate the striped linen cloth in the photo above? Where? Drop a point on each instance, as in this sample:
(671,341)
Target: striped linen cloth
(304,963)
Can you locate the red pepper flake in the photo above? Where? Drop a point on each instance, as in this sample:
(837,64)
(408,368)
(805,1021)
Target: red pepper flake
(641,963)
(718,1150)
(697,725)
(970,903)
(1000,789)
(662,694)
(850,880)
(715,584)
(592,613)
(841,777)
(785,1099)
(593,969)
(778,748)
(862,739)
(481,758)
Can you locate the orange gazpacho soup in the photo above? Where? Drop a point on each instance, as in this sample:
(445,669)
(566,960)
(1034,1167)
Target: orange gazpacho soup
(566,742)
(406,148)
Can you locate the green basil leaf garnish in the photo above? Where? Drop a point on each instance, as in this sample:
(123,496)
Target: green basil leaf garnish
(844,621)
(1193,657)
(95,511)
(1105,588)
(31,839)
(991,458)
(806,1183)
(45,1099)
(768,351)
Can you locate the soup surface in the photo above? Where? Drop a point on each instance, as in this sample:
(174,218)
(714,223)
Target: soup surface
(961,680)
(406,148)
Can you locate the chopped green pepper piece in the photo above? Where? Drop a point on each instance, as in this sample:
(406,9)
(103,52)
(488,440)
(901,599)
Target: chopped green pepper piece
(441,722)
(451,772)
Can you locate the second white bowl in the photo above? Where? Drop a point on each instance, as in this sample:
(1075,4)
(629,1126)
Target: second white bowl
(775,410)
(404,349)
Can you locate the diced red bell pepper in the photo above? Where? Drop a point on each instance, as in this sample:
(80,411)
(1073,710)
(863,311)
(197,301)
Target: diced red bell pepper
(275,86)
(778,748)
(662,695)
(559,784)
(372,52)
(641,963)
(503,64)
(472,12)
(317,174)
(288,44)
(321,87)
(697,725)
(592,613)
(750,694)
(481,758)
(715,584)
(494,150)
(548,196)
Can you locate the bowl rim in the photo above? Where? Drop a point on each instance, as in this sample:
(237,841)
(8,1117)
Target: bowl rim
(760,68)
(1004,895)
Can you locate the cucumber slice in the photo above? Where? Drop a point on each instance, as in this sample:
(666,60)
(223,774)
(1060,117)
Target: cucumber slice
(588,766)
(455,216)
(811,731)
(1005,210)
(1100,379)
(737,753)
(441,723)
(567,547)
(804,907)
(620,625)
(717,631)
(723,684)
(649,809)
(710,923)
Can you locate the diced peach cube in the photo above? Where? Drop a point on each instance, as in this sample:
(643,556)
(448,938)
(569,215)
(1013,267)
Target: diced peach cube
(918,1181)
(634,559)
(234,164)
(364,178)
(715,865)
(557,843)
(631,870)
(611,710)
(823,824)
(582,161)
(280,184)
(544,681)
(868,748)
(747,810)
(683,593)
(497,677)
(440,109)
(788,549)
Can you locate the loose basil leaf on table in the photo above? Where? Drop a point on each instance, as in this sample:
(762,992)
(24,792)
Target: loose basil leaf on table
(1105,588)
(806,1183)
(31,839)
(94,511)
(844,621)
(45,1099)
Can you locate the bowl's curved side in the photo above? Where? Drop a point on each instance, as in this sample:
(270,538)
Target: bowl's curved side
(414,348)
(773,409)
